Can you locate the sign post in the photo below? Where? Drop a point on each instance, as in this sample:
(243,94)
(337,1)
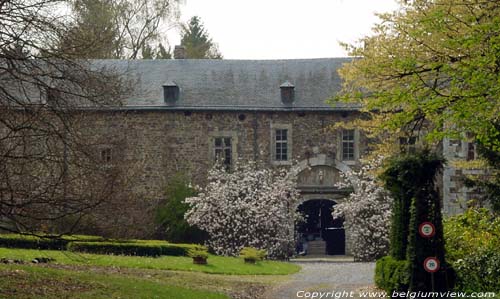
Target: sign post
(431,264)
(426,230)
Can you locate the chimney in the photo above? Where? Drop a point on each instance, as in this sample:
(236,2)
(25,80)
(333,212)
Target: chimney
(287,92)
(179,52)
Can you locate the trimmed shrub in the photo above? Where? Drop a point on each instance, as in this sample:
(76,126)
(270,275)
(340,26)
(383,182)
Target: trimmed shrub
(135,248)
(41,243)
(252,255)
(198,251)
(392,275)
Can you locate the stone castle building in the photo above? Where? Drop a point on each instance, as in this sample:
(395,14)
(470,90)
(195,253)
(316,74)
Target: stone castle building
(186,113)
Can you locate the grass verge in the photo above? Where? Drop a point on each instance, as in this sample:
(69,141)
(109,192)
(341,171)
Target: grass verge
(216,264)
(26,281)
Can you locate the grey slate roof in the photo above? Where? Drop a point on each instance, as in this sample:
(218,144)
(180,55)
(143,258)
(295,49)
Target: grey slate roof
(233,84)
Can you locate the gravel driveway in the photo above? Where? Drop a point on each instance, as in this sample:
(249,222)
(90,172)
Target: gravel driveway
(325,277)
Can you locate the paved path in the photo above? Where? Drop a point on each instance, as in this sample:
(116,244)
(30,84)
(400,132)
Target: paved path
(325,277)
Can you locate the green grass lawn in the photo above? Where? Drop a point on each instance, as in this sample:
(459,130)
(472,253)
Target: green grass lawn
(216,264)
(28,281)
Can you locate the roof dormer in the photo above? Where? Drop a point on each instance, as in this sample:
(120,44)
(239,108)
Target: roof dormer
(171,92)
(287,92)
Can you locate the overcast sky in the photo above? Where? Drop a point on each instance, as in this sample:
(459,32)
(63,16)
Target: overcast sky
(273,29)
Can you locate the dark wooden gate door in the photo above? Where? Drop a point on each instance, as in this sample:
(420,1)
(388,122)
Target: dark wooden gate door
(333,232)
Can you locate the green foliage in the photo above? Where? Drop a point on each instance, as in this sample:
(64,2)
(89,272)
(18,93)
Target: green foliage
(148,52)
(470,232)
(198,251)
(45,242)
(135,248)
(472,242)
(163,53)
(170,215)
(117,28)
(252,254)
(410,178)
(403,178)
(392,274)
(198,44)
(479,271)
(433,64)
(95,33)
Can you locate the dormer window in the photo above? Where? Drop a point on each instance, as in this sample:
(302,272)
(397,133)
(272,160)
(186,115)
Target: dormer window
(52,96)
(287,92)
(170,92)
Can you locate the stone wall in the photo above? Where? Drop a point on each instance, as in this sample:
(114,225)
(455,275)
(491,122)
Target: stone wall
(165,142)
(156,145)
(455,193)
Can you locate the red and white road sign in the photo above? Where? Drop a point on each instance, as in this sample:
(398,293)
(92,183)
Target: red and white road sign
(427,230)
(431,264)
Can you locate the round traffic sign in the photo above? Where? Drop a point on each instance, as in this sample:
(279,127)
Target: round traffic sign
(427,230)
(431,264)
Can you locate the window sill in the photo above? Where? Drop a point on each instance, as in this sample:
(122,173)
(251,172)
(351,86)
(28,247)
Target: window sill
(278,163)
(349,162)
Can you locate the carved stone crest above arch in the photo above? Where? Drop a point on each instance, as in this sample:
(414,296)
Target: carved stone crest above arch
(319,177)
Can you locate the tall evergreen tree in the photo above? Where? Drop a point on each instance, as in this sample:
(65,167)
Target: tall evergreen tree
(196,40)
(147,52)
(116,28)
(163,53)
(95,33)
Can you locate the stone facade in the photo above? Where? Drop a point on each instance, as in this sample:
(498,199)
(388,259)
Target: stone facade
(167,142)
(184,112)
(455,193)
(161,144)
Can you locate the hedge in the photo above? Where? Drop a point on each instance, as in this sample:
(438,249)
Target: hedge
(44,243)
(136,248)
(95,244)
(392,275)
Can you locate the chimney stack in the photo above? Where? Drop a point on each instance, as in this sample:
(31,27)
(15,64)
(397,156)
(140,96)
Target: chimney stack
(179,52)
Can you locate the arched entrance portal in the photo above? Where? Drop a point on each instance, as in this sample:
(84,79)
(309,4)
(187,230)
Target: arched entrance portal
(320,233)
(321,186)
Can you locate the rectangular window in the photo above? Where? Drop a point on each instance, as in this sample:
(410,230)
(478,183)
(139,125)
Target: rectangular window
(348,145)
(223,151)
(408,144)
(471,151)
(281,136)
(106,155)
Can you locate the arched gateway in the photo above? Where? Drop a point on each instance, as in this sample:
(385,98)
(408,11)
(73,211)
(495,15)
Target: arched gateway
(321,187)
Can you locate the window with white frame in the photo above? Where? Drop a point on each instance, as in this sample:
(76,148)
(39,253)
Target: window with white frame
(281,145)
(348,145)
(223,150)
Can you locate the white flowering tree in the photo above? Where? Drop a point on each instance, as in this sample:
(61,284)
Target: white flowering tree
(366,213)
(247,207)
